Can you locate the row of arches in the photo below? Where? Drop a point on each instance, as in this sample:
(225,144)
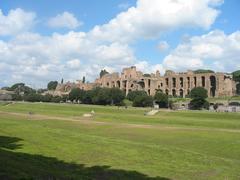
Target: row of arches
(174,92)
(212,89)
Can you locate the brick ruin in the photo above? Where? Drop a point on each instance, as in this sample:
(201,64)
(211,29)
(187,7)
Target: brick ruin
(171,83)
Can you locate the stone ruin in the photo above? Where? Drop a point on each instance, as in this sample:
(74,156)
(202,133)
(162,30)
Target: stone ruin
(171,83)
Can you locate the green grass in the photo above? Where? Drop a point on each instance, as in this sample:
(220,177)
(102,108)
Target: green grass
(116,143)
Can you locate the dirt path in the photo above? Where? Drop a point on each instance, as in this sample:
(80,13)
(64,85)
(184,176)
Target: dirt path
(84,120)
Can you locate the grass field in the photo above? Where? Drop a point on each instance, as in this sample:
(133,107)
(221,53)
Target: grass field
(57,142)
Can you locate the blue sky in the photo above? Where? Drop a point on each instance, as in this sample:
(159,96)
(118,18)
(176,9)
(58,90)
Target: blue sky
(49,40)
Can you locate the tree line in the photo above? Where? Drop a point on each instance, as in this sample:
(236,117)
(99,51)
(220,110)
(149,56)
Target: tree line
(106,96)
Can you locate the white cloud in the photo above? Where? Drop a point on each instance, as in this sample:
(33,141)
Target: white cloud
(163,46)
(74,64)
(37,59)
(149,19)
(16,21)
(214,50)
(64,20)
(145,67)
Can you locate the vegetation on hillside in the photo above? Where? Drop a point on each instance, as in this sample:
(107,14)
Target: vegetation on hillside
(201,71)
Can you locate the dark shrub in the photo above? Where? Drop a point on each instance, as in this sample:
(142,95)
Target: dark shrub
(161,99)
(143,101)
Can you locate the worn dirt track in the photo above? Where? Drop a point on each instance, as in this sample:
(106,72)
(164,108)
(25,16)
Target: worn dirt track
(84,120)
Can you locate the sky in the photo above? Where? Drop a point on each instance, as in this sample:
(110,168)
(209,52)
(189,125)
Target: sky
(41,40)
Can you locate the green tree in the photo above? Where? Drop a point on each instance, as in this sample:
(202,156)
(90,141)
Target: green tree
(83,79)
(87,97)
(198,101)
(161,99)
(238,88)
(21,88)
(56,99)
(33,97)
(133,94)
(103,72)
(76,94)
(198,93)
(101,96)
(52,85)
(143,101)
(16,86)
(117,96)
(47,98)
(236,76)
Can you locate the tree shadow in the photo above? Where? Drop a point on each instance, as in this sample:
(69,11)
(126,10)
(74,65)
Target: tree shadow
(17,165)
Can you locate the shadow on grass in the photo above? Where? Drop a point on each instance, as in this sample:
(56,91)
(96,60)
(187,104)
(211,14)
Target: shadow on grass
(16,165)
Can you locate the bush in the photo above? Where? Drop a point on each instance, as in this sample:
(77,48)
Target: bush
(87,98)
(56,99)
(143,101)
(133,94)
(161,99)
(234,104)
(47,98)
(33,97)
(198,93)
(76,94)
(198,104)
(215,106)
(101,96)
(17,97)
(117,96)
(198,101)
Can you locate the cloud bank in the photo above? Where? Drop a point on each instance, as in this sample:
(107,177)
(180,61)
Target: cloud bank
(36,59)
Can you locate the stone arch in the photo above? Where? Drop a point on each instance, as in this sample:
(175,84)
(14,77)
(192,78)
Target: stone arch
(188,82)
(149,82)
(142,84)
(158,90)
(181,93)
(174,93)
(213,83)
(174,82)
(167,92)
(203,81)
(167,81)
(195,81)
(181,82)
(118,84)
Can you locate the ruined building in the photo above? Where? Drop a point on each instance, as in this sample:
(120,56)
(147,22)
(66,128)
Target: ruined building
(171,83)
